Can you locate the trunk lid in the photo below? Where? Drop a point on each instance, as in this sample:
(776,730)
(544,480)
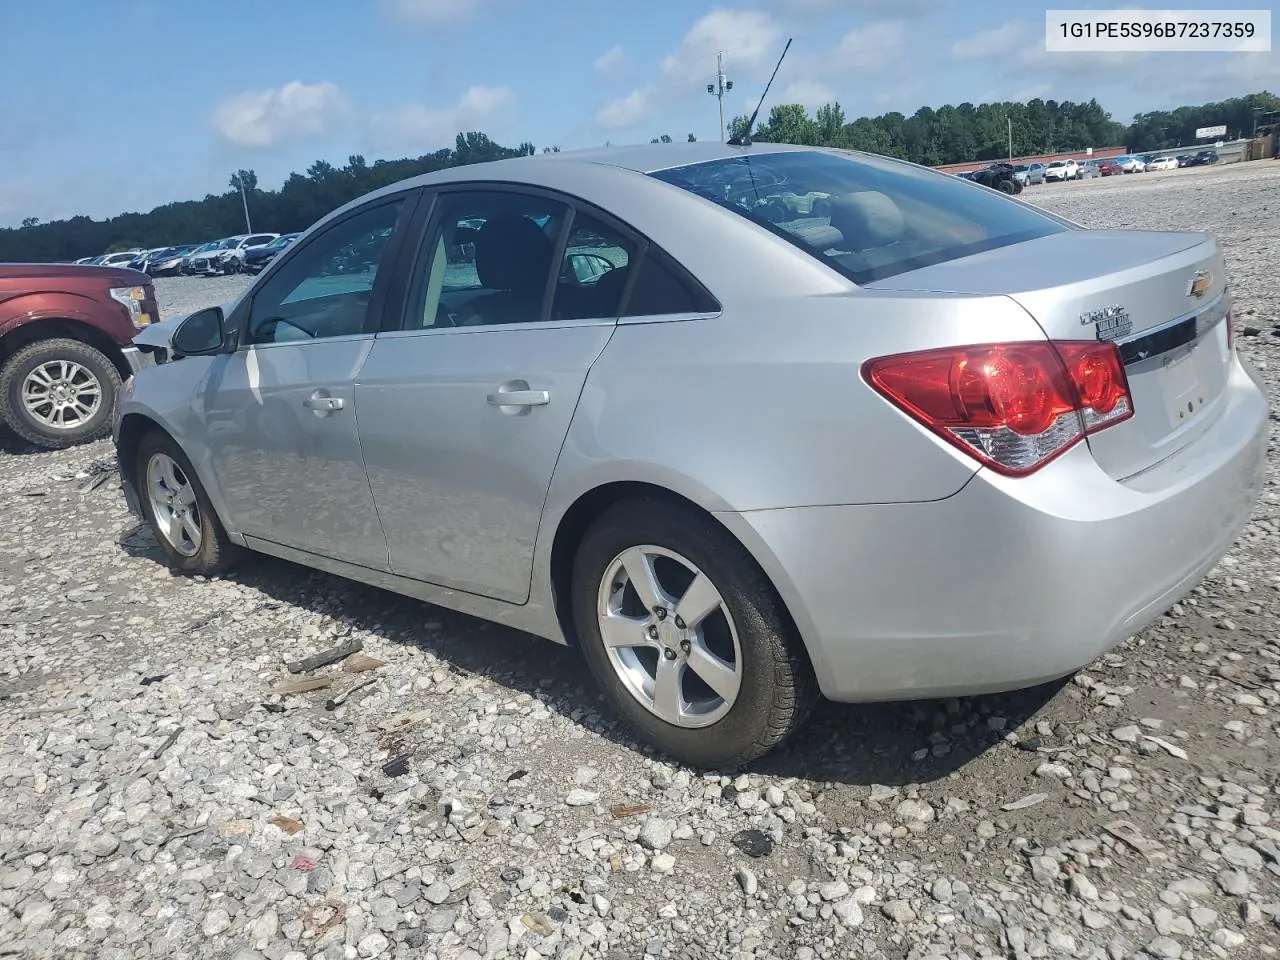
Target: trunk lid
(1160,296)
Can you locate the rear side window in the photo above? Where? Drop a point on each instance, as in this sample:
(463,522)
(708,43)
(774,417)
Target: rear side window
(867,217)
(663,288)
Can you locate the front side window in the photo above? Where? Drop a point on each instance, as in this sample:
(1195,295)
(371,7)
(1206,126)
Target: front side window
(487,261)
(867,217)
(324,290)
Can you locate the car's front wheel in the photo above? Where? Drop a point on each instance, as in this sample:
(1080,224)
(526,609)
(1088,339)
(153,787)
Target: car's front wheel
(59,392)
(177,508)
(687,636)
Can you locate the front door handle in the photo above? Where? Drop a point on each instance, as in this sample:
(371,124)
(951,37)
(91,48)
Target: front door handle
(322,404)
(514,397)
(520,398)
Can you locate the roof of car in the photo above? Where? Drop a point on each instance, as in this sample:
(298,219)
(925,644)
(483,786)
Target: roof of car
(640,158)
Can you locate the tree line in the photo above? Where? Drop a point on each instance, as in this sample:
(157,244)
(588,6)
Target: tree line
(949,134)
(993,131)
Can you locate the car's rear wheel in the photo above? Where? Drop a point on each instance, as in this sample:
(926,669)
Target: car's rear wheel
(57,393)
(177,508)
(686,635)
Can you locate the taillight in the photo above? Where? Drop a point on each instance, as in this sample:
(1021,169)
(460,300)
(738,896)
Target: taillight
(1012,406)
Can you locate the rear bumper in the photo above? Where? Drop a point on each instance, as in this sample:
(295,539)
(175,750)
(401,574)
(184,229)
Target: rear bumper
(1010,582)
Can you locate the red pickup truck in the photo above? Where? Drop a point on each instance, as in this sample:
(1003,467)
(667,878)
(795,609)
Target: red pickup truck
(65,335)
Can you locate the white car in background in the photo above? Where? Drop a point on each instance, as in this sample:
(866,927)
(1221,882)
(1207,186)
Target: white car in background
(1060,170)
(1131,164)
(1163,163)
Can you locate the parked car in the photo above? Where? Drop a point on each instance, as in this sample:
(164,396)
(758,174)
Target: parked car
(65,332)
(502,437)
(120,259)
(232,260)
(1204,158)
(1087,169)
(169,262)
(208,261)
(1109,168)
(201,251)
(1060,170)
(1029,173)
(1184,159)
(1162,163)
(1131,164)
(257,258)
(998,176)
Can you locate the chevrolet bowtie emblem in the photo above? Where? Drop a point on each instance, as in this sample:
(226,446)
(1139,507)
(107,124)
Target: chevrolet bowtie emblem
(1199,284)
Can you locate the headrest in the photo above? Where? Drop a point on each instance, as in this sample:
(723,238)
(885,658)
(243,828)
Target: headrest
(512,253)
(866,219)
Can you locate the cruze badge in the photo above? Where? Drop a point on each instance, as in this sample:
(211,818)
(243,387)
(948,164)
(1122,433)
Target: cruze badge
(1199,284)
(1111,322)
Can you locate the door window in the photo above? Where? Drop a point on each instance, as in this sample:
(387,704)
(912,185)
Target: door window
(488,260)
(593,273)
(324,290)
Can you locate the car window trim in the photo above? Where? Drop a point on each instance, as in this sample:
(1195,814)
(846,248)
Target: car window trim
(378,295)
(417,266)
(429,217)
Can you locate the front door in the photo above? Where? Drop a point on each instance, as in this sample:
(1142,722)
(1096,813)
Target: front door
(464,409)
(286,452)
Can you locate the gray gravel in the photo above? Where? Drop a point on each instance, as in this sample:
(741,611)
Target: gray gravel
(162,798)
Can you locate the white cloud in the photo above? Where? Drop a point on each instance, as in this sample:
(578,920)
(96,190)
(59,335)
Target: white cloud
(612,60)
(431,11)
(626,112)
(865,7)
(419,127)
(262,119)
(990,43)
(871,48)
(752,41)
(810,93)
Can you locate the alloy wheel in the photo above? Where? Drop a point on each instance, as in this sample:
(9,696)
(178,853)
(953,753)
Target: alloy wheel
(669,636)
(62,394)
(174,504)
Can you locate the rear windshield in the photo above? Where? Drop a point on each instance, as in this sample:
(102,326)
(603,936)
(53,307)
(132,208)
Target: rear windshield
(865,216)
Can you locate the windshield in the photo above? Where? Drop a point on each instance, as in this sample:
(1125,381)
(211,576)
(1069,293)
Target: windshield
(228,243)
(278,242)
(867,217)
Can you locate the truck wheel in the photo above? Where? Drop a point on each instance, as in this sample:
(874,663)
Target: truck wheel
(57,393)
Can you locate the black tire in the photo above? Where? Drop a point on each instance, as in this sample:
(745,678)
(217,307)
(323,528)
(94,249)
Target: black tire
(16,370)
(1007,186)
(778,688)
(216,554)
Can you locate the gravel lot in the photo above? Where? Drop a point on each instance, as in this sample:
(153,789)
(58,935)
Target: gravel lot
(164,798)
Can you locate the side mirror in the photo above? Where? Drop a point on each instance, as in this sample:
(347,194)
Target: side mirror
(201,334)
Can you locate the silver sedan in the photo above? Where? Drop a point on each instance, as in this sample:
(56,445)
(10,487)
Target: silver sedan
(746,425)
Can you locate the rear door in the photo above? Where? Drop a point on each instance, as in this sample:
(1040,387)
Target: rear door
(465,404)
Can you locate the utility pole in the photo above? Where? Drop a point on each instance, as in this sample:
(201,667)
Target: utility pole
(718,89)
(1009,120)
(244,199)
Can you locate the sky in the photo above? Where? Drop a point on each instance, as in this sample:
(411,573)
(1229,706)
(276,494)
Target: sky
(123,105)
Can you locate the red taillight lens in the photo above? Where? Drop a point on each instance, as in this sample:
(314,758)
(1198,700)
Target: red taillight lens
(1013,406)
